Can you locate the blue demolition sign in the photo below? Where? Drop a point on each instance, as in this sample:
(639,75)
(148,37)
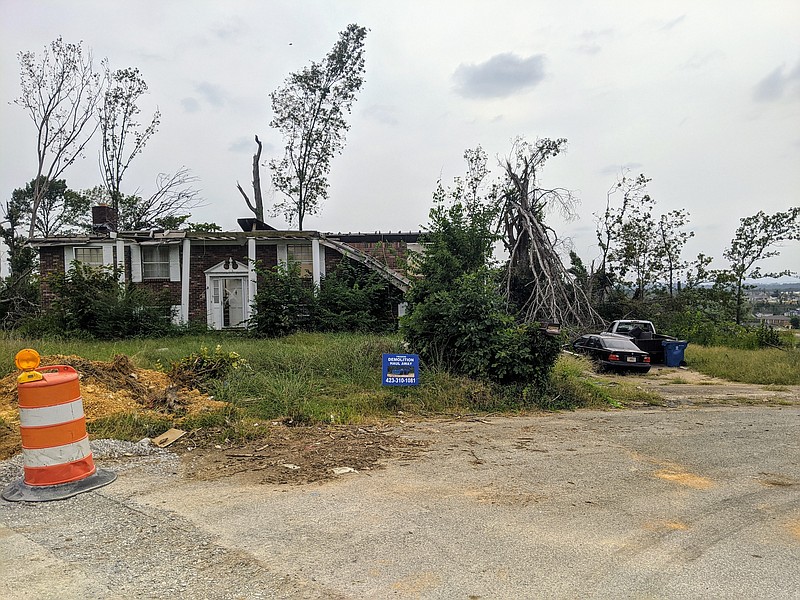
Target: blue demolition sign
(400,369)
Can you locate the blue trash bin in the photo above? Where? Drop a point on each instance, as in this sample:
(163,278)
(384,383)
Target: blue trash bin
(673,352)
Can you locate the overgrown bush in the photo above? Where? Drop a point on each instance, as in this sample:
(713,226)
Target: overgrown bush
(351,298)
(466,330)
(284,303)
(355,298)
(91,302)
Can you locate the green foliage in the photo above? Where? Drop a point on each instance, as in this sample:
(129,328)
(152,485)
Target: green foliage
(641,250)
(767,337)
(466,330)
(199,369)
(61,210)
(310,112)
(284,303)
(355,298)
(351,298)
(458,319)
(92,302)
(753,242)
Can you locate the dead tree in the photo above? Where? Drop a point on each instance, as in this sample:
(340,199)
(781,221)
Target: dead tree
(257,206)
(537,283)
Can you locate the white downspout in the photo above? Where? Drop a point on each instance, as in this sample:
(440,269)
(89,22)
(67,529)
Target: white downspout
(186,263)
(252,280)
(315,270)
(121,260)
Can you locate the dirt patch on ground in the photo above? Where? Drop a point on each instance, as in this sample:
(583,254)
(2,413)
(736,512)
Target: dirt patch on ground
(276,452)
(293,454)
(683,386)
(107,389)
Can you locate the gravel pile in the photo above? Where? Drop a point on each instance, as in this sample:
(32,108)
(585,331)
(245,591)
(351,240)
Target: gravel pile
(110,452)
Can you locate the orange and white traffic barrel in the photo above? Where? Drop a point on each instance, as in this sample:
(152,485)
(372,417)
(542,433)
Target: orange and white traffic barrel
(57,459)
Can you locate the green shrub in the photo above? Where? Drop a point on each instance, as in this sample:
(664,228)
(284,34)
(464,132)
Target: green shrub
(466,330)
(351,298)
(91,302)
(355,298)
(284,303)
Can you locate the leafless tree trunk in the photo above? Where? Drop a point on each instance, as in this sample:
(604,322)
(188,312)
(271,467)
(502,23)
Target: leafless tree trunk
(536,280)
(257,206)
(60,93)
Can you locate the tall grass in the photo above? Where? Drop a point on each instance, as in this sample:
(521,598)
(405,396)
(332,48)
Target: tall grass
(769,366)
(315,378)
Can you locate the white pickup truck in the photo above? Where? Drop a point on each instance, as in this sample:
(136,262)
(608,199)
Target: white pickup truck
(643,334)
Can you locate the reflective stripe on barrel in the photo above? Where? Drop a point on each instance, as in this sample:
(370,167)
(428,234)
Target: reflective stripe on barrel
(55,446)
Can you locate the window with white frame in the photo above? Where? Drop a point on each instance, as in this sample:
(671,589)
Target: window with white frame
(155,262)
(301,255)
(91,257)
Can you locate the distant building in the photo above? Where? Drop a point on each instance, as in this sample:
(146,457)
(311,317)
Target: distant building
(775,321)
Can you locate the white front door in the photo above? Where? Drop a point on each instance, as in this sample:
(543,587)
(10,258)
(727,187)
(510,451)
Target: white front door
(227,302)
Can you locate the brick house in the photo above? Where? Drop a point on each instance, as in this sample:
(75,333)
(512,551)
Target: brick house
(211,276)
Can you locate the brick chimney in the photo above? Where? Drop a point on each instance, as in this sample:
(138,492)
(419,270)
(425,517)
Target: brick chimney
(104,219)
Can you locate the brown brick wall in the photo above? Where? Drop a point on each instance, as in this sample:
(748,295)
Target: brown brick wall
(51,260)
(392,254)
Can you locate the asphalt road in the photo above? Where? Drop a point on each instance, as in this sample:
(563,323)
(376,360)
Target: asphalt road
(664,503)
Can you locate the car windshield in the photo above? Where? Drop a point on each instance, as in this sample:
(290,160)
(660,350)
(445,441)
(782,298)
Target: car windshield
(620,344)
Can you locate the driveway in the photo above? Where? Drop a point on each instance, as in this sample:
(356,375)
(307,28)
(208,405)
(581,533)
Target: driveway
(689,502)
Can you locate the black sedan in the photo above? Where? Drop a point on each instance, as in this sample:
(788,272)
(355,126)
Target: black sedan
(613,352)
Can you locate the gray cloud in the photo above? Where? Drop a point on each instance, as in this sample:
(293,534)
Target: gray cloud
(213,94)
(776,84)
(501,76)
(190,105)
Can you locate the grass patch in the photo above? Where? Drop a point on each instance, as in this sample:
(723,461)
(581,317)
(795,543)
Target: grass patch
(128,426)
(776,388)
(577,386)
(324,378)
(768,366)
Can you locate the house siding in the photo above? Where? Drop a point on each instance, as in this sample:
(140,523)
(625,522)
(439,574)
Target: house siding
(206,253)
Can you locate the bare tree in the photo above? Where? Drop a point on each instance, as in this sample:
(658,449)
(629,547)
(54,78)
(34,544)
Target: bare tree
(310,113)
(168,207)
(257,206)
(60,93)
(537,282)
(124,137)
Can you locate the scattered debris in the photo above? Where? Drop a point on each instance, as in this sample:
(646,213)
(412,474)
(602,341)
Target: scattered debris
(108,388)
(343,470)
(168,437)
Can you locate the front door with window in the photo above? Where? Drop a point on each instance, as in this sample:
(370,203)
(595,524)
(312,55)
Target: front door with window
(227,301)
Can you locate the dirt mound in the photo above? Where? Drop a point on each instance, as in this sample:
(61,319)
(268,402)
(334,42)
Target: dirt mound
(107,388)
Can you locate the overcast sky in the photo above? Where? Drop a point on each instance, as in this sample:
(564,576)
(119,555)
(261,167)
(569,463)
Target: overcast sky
(702,96)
